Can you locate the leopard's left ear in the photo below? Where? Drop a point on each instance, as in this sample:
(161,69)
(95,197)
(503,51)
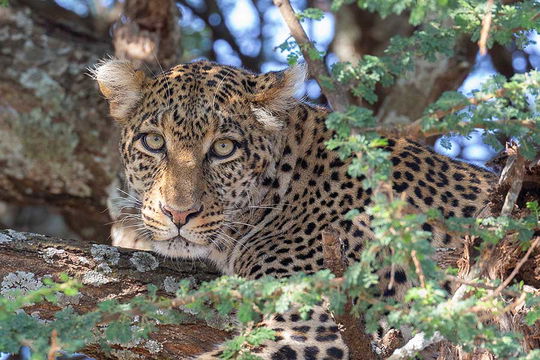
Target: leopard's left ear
(273,93)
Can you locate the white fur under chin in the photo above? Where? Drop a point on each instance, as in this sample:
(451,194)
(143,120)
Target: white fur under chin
(180,249)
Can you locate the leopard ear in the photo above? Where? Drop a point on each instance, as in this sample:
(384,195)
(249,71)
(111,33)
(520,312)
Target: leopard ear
(121,85)
(273,93)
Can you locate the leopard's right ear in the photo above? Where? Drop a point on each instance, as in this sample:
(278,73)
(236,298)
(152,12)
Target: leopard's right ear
(121,85)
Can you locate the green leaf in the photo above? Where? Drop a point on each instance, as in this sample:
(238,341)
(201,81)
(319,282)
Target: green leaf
(310,13)
(245,313)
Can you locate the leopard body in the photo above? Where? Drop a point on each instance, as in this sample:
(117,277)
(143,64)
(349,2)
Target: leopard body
(262,210)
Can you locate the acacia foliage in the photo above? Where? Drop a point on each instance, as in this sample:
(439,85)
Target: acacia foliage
(505,107)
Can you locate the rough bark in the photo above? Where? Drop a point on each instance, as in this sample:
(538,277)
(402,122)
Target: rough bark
(57,145)
(106,278)
(359,32)
(410,96)
(150,35)
(502,60)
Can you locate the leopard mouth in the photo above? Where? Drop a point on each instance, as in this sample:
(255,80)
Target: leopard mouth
(182,239)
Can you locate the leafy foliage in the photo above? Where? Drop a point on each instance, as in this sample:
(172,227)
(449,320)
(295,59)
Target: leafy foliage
(311,13)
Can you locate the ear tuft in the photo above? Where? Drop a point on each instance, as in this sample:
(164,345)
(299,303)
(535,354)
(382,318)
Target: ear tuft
(268,119)
(120,83)
(274,94)
(293,80)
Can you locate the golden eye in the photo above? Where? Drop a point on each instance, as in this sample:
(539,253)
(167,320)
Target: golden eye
(153,142)
(223,148)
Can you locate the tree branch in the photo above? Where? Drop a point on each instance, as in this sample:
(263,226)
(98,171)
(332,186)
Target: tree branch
(486,25)
(221,31)
(413,92)
(414,129)
(337,96)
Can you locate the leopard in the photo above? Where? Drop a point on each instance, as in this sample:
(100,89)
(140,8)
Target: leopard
(232,167)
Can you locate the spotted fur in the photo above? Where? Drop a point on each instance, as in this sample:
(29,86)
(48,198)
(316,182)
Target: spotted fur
(264,207)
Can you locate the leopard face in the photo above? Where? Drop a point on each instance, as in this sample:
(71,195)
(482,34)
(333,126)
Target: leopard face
(196,144)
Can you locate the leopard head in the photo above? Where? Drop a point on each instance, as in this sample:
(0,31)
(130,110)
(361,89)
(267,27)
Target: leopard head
(197,142)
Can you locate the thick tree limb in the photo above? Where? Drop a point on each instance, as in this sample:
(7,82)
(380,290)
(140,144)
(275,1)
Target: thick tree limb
(413,92)
(57,147)
(107,273)
(151,35)
(360,32)
(51,14)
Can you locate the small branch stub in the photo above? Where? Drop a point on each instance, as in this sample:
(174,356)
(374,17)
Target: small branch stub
(353,334)
(513,173)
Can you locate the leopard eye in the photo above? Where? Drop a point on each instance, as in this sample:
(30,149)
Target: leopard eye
(153,142)
(223,148)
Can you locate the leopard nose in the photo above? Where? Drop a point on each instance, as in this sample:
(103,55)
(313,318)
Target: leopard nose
(180,218)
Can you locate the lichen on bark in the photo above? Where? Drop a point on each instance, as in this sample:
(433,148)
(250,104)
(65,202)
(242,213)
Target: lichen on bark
(57,145)
(107,273)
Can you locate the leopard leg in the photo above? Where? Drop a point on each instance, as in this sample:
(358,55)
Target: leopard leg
(317,337)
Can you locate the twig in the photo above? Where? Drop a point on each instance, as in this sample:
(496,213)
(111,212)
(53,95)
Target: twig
(51,355)
(486,25)
(414,129)
(479,285)
(337,96)
(418,268)
(489,316)
(353,334)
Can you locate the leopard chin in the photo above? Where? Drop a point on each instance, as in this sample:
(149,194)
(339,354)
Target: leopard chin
(178,247)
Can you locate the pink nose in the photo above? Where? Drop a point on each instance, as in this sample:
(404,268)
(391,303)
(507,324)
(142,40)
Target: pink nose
(180,218)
